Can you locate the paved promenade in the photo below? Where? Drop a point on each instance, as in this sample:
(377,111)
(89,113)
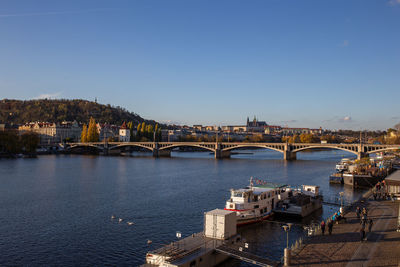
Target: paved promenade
(344,248)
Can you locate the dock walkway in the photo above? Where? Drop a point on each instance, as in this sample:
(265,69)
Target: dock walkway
(344,248)
(247,257)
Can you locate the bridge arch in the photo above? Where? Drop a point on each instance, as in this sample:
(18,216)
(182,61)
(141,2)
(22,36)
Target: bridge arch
(252,146)
(83,146)
(170,147)
(322,146)
(131,145)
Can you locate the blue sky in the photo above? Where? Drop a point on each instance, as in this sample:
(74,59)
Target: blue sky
(334,64)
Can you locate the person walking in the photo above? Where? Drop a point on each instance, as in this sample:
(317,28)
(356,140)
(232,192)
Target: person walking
(362,233)
(323,227)
(330,227)
(358,212)
(370,223)
(363,222)
(364,211)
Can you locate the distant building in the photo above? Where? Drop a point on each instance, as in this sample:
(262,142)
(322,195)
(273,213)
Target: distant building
(172,135)
(255,125)
(199,127)
(124,133)
(212,128)
(51,133)
(107,131)
(272,129)
(293,131)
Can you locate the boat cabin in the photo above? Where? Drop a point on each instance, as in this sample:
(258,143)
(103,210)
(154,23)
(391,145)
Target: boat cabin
(247,197)
(310,190)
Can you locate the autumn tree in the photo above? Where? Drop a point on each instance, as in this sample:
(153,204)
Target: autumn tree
(308,138)
(130,127)
(138,133)
(84,134)
(92,134)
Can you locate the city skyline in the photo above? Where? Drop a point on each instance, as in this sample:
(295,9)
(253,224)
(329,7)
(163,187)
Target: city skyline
(301,64)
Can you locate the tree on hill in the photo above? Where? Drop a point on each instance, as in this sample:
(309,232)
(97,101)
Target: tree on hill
(58,110)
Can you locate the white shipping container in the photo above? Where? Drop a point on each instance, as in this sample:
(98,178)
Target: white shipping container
(220,224)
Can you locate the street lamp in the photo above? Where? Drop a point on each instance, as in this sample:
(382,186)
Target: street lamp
(286,228)
(286,261)
(341,201)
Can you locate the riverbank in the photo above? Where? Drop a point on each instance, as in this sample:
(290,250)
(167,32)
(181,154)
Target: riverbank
(344,248)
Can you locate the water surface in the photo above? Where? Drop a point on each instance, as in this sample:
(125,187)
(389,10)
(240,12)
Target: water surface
(55,210)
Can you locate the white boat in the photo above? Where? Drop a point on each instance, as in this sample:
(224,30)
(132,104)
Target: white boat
(256,202)
(343,165)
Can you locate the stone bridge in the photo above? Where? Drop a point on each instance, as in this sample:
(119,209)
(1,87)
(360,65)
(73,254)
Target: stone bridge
(223,149)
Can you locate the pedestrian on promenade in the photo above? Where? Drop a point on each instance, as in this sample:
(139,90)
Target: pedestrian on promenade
(363,222)
(323,227)
(330,226)
(374,195)
(370,223)
(365,212)
(358,212)
(362,233)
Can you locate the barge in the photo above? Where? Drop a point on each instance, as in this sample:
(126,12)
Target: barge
(301,204)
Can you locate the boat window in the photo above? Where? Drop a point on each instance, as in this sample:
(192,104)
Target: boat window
(256,206)
(237,194)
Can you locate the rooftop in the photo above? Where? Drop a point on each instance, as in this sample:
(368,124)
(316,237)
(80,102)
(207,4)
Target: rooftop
(394,178)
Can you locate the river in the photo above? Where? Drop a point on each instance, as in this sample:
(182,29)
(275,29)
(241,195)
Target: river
(56,209)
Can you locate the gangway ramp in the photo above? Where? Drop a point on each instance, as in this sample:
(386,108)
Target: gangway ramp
(245,256)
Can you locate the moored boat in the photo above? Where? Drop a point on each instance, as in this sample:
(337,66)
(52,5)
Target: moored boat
(302,204)
(257,201)
(336,178)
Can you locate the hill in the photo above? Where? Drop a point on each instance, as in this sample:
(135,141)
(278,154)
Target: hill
(58,110)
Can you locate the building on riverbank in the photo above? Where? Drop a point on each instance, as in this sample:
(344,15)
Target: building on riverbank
(51,133)
(393,184)
(124,133)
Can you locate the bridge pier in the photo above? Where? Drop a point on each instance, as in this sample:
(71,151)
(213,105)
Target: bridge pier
(361,155)
(288,155)
(157,153)
(114,152)
(221,154)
